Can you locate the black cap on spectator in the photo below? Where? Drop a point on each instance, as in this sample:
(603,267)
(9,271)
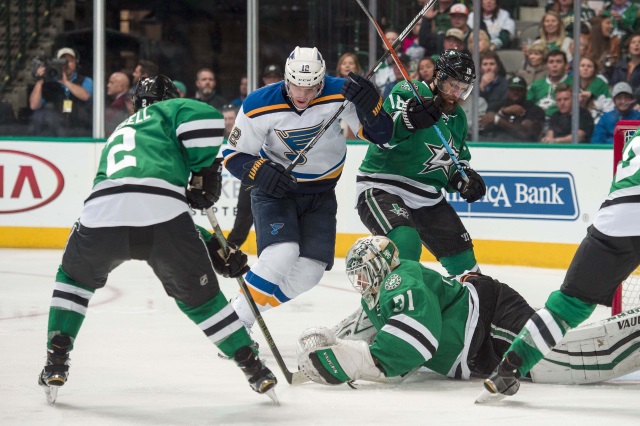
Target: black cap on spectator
(272,70)
(518,83)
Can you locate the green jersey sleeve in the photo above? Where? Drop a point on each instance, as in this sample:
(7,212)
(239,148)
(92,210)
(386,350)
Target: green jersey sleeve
(200,129)
(410,334)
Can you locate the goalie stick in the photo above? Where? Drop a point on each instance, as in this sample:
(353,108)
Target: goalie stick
(406,76)
(368,75)
(294,378)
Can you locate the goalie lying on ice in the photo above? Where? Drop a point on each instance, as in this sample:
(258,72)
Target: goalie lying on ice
(415,318)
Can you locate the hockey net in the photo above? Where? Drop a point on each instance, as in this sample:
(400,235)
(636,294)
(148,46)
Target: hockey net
(628,294)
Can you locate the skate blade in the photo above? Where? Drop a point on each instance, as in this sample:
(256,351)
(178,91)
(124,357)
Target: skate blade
(51,392)
(271,393)
(487,397)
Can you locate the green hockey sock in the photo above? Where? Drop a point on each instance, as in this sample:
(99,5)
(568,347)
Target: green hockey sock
(458,263)
(569,309)
(408,242)
(69,304)
(220,323)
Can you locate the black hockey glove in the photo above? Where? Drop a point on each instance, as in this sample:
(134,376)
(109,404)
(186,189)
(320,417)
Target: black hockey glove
(271,177)
(233,266)
(205,186)
(471,191)
(364,95)
(416,116)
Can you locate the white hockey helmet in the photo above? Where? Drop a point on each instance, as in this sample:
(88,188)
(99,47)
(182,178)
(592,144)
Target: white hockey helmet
(369,261)
(305,67)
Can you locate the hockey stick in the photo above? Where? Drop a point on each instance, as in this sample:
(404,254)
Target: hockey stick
(406,76)
(369,74)
(292,378)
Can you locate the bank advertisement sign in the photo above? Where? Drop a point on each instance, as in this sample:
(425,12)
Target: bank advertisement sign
(523,195)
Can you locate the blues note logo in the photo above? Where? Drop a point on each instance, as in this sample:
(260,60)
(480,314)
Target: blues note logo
(296,140)
(276,227)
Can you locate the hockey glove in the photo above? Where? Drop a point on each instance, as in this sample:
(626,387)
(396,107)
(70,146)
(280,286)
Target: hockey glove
(205,186)
(364,95)
(271,177)
(336,361)
(233,266)
(421,116)
(471,191)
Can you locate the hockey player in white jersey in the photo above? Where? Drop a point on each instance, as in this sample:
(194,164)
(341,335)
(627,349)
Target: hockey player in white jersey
(295,212)
(606,257)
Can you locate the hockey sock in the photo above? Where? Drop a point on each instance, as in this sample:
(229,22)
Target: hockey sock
(571,310)
(220,323)
(460,263)
(547,327)
(69,304)
(408,242)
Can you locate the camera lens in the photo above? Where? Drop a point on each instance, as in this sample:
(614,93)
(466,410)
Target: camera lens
(52,74)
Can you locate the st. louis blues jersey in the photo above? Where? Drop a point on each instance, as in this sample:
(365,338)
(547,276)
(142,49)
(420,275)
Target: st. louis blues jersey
(269,126)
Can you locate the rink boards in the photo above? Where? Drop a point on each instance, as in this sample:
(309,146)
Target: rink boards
(540,199)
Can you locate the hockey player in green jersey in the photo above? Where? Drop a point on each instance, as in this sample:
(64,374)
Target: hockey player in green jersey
(607,255)
(421,319)
(400,184)
(458,328)
(139,209)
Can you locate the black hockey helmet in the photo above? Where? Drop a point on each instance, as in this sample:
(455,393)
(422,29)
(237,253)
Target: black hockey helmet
(153,89)
(457,65)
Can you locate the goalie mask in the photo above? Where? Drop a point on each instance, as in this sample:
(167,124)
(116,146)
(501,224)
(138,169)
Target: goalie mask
(304,68)
(455,73)
(369,261)
(153,89)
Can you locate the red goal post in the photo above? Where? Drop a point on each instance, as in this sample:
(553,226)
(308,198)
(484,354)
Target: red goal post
(628,294)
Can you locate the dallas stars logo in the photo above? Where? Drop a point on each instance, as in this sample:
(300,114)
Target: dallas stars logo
(440,158)
(399,211)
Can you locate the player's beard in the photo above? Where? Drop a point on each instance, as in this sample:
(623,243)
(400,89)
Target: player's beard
(449,108)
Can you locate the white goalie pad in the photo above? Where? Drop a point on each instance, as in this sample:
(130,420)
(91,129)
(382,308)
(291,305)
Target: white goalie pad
(356,326)
(594,352)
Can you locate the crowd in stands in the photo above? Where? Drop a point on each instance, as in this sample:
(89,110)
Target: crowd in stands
(521,100)
(530,99)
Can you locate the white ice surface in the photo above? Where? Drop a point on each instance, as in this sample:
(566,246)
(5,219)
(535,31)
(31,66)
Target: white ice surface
(139,361)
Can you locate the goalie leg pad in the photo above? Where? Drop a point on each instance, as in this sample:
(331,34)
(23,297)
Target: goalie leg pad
(594,352)
(339,362)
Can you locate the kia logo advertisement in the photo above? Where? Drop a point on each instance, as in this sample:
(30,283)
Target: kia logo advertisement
(27,181)
(523,195)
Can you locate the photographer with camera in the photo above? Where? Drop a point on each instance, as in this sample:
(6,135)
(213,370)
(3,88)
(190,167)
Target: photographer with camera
(61,98)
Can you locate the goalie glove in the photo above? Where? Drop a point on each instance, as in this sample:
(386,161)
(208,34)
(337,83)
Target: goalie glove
(417,116)
(233,266)
(471,191)
(330,361)
(205,186)
(363,94)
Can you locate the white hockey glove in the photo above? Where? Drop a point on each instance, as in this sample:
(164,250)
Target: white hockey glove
(356,326)
(330,361)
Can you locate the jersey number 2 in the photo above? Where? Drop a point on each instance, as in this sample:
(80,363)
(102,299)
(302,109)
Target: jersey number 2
(128,144)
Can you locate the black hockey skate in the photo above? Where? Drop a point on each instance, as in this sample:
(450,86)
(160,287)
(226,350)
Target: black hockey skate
(260,378)
(503,381)
(56,371)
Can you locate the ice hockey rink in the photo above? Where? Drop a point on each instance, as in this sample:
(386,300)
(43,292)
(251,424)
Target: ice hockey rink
(139,361)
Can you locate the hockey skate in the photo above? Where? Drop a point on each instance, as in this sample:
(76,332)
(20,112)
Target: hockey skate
(503,381)
(56,371)
(260,378)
